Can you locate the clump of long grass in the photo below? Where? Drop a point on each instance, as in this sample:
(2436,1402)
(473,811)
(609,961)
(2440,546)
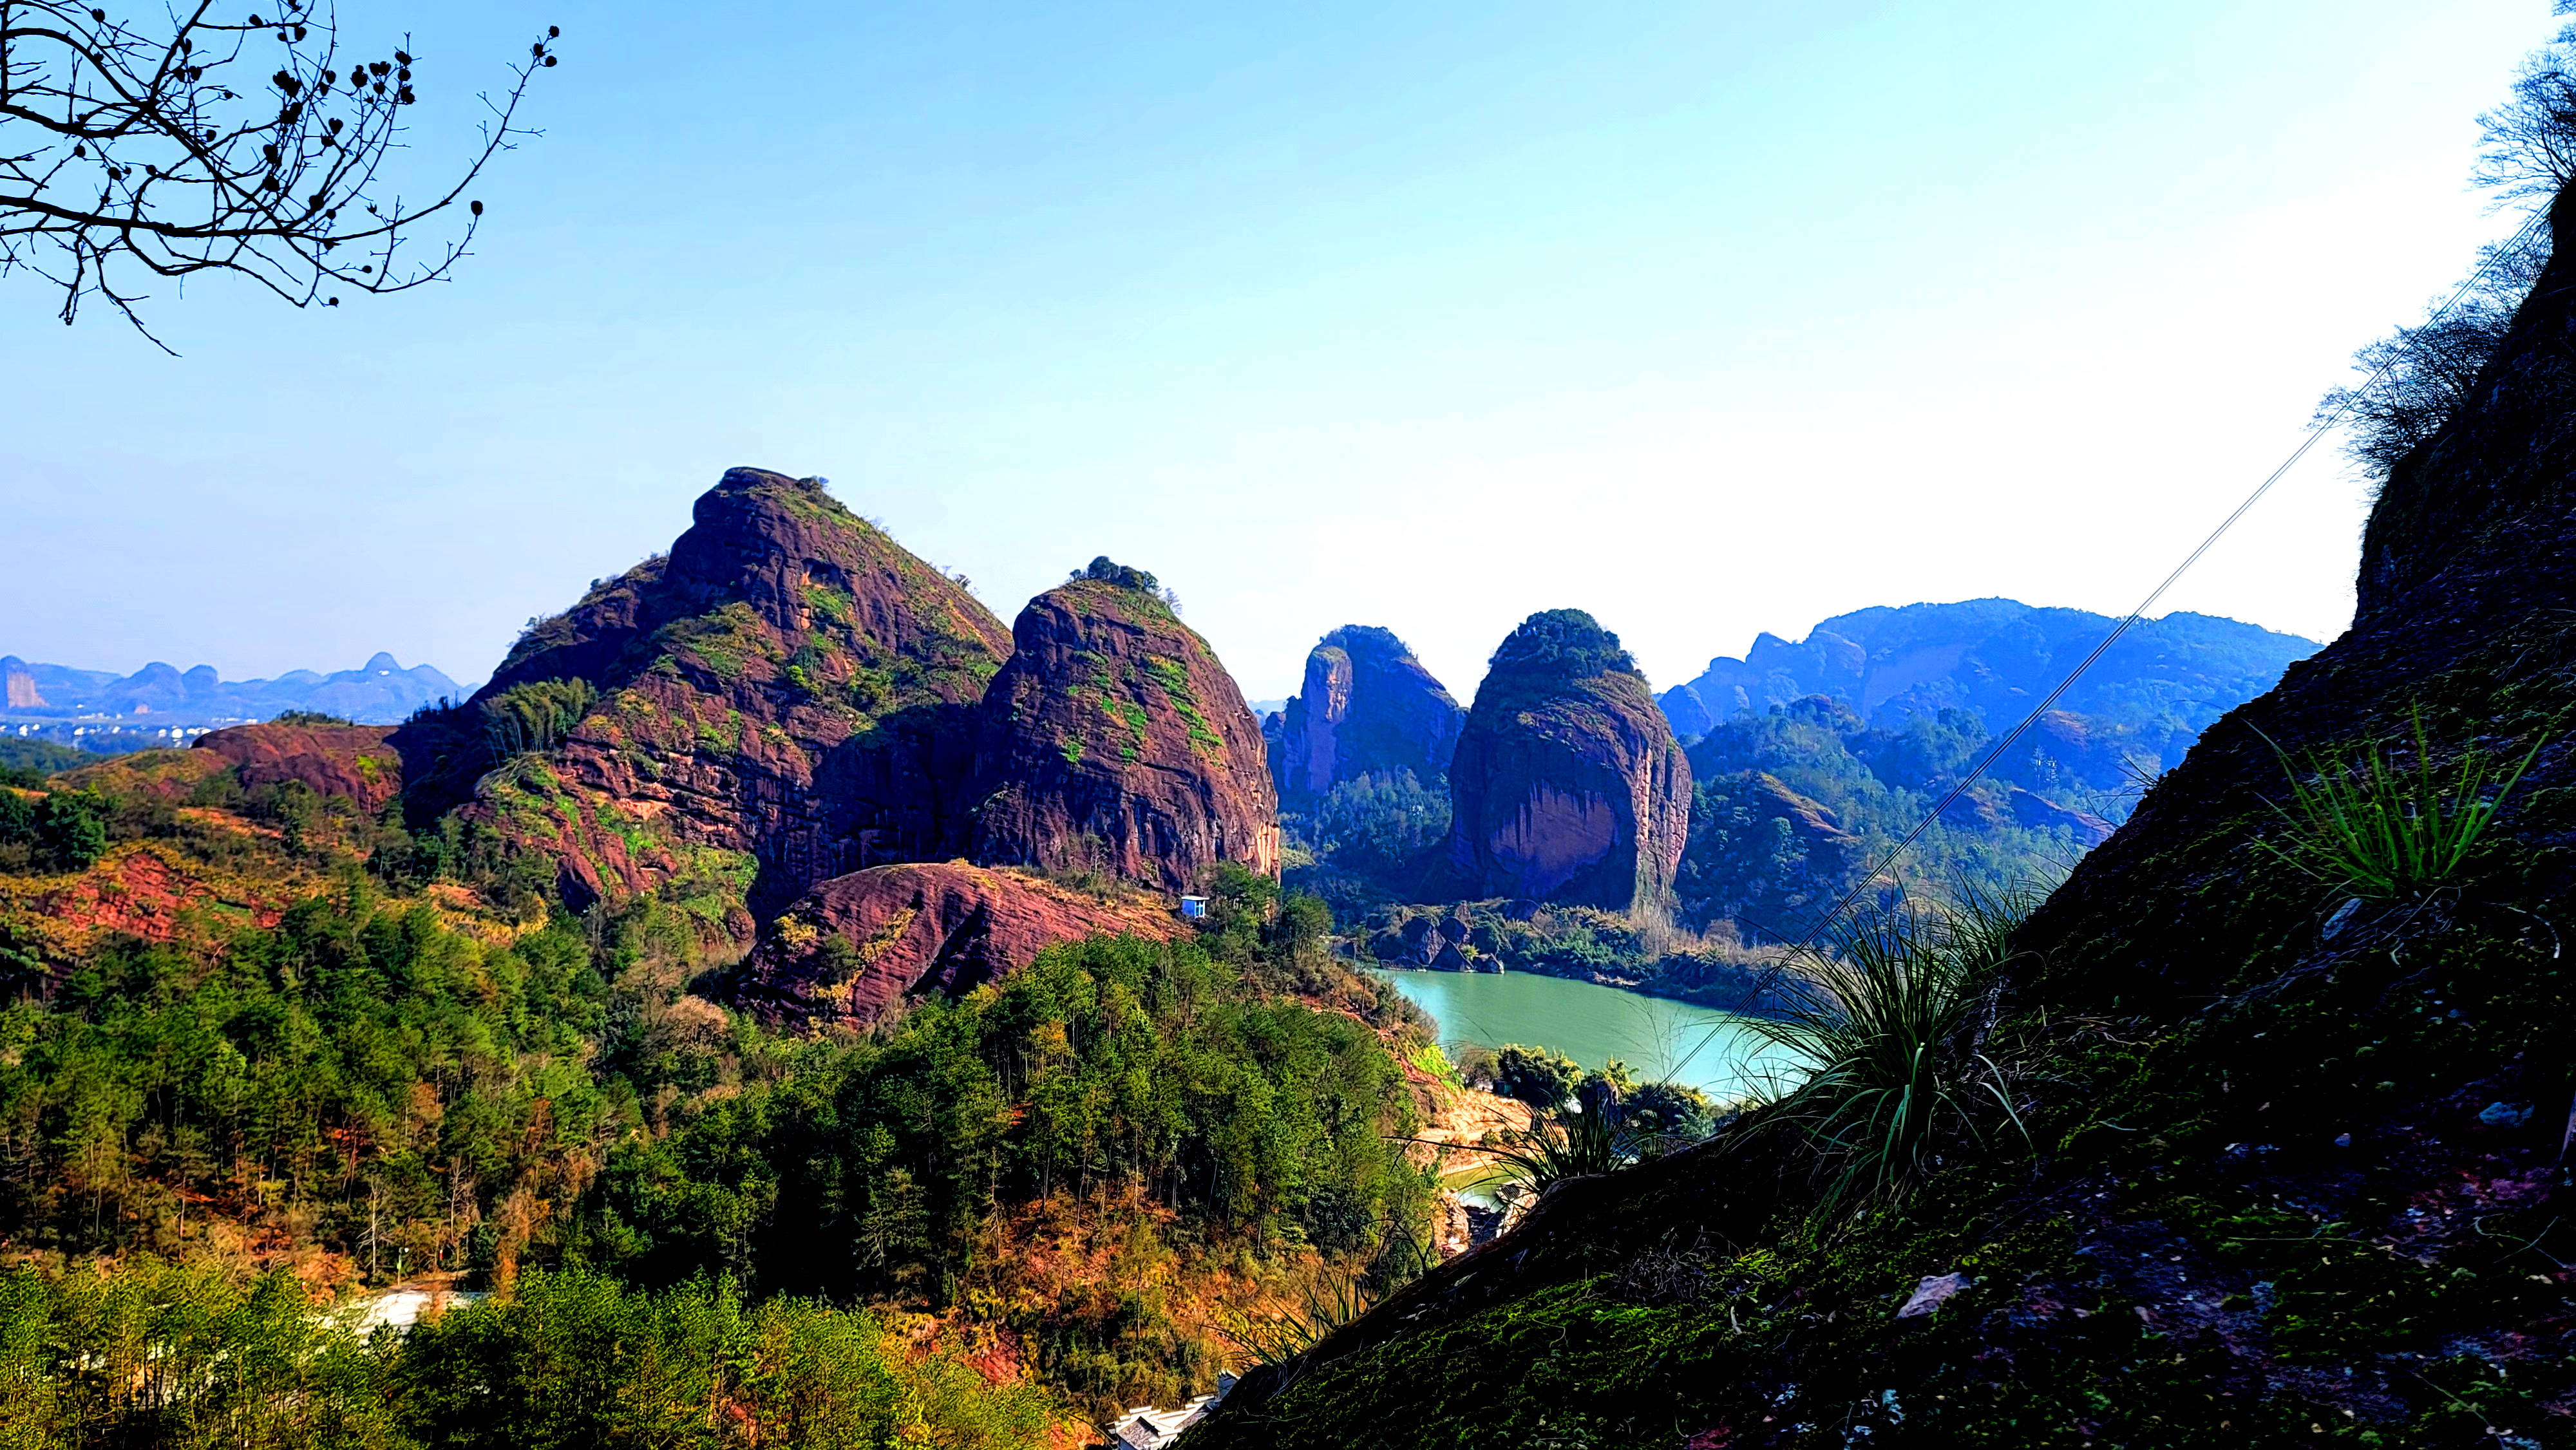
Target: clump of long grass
(1575,1139)
(2381,831)
(1282,1336)
(1884,1019)
(1591,1133)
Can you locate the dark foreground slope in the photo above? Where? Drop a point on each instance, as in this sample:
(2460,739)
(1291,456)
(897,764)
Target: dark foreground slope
(2297,1174)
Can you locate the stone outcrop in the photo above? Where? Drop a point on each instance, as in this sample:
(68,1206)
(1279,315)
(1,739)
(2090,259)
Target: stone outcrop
(18,685)
(352,761)
(1114,741)
(786,697)
(1368,707)
(856,949)
(1567,784)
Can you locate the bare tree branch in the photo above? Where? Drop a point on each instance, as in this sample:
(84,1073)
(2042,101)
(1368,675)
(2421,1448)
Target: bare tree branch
(129,151)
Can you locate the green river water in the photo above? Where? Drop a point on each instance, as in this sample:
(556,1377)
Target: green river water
(1662,1040)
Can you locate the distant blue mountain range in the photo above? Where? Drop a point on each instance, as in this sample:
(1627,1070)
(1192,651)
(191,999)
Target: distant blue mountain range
(1997,658)
(102,709)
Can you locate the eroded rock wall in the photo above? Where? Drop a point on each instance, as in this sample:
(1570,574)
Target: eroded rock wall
(1114,741)
(1567,784)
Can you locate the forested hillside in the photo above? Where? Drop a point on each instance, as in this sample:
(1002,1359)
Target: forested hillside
(313,1010)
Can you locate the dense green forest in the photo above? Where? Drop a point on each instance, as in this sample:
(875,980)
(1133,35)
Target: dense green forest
(1794,806)
(377,1055)
(150,1352)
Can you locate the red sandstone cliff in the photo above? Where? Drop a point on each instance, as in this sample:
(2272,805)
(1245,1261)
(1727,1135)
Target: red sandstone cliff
(783,699)
(335,760)
(1368,707)
(857,948)
(1567,784)
(1113,740)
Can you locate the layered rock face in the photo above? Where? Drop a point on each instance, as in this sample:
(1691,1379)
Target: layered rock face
(354,761)
(1567,784)
(856,949)
(1114,741)
(1368,707)
(18,685)
(784,698)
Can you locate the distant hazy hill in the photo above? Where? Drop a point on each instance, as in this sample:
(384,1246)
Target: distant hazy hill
(49,699)
(1812,758)
(1997,657)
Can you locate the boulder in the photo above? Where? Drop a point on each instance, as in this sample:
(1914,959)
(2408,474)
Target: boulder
(1368,707)
(913,930)
(1567,784)
(1113,741)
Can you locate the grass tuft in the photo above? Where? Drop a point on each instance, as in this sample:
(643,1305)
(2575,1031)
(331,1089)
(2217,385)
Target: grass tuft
(2385,832)
(1887,1019)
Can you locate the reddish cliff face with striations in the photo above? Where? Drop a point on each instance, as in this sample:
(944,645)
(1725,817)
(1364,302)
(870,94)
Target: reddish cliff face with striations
(1114,740)
(354,761)
(1567,784)
(856,949)
(1368,707)
(784,698)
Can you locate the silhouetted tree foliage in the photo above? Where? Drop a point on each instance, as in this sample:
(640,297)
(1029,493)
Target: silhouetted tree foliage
(2416,377)
(155,146)
(2527,146)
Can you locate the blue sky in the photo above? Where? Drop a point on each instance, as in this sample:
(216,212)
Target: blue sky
(1710,319)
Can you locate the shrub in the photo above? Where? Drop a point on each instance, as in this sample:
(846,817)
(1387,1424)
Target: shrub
(1575,1140)
(535,716)
(1563,644)
(1885,1019)
(1277,1338)
(69,832)
(1535,1075)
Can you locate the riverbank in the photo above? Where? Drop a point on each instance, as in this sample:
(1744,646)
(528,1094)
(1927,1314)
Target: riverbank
(1659,1038)
(1610,949)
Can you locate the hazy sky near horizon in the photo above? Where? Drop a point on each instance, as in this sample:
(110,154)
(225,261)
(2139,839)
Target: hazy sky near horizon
(1709,319)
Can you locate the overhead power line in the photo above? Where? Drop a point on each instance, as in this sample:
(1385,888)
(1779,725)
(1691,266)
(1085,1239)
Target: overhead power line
(2325,424)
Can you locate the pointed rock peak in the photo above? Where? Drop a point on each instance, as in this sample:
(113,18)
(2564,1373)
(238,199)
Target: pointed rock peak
(1367,707)
(1567,784)
(1115,741)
